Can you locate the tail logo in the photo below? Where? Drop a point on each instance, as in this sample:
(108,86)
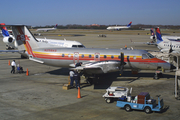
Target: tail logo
(158,34)
(22,37)
(4,30)
(152,32)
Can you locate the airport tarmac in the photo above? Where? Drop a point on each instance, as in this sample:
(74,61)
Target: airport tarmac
(40,96)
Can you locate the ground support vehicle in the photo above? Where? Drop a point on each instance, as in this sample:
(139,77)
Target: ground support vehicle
(141,102)
(113,93)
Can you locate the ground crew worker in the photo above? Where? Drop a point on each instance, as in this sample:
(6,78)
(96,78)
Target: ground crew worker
(77,78)
(71,74)
(78,64)
(13,65)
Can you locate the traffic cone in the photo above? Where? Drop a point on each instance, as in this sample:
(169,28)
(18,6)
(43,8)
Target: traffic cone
(79,93)
(27,73)
(9,63)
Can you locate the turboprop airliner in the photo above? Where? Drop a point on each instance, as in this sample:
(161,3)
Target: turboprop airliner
(47,29)
(10,42)
(167,46)
(119,27)
(94,60)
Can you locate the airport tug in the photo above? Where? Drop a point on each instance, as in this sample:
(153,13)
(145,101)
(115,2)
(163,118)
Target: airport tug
(141,102)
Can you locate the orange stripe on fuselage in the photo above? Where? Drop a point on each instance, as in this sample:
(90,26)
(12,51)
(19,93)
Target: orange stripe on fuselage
(58,56)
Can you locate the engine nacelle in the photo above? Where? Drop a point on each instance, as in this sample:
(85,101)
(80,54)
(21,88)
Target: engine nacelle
(165,50)
(102,67)
(152,37)
(8,40)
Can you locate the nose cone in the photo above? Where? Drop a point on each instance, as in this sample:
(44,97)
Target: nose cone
(167,66)
(172,67)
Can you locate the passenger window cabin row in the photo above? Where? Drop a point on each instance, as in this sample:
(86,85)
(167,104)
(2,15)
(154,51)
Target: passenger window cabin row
(97,56)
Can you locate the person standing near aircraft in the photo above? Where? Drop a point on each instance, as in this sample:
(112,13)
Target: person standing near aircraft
(13,65)
(78,64)
(71,74)
(77,78)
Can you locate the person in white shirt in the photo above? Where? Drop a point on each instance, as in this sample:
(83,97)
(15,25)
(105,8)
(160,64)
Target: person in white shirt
(13,65)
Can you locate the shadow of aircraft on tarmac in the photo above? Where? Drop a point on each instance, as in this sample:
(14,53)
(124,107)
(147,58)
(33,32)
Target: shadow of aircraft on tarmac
(103,81)
(61,71)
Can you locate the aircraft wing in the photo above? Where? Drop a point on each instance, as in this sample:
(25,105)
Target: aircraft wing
(147,43)
(13,51)
(99,67)
(89,70)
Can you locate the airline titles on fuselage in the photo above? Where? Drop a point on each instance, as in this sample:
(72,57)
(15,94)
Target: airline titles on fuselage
(50,50)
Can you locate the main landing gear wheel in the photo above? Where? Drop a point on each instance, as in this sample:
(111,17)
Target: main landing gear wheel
(89,81)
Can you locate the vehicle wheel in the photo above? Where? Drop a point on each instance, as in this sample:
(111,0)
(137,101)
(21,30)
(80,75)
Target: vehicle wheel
(108,100)
(147,110)
(128,108)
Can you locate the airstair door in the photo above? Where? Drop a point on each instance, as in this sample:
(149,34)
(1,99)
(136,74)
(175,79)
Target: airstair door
(76,57)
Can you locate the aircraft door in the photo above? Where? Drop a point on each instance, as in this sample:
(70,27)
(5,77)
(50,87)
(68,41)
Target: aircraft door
(76,57)
(97,56)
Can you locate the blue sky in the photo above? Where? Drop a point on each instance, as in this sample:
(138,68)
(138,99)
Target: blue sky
(86,12)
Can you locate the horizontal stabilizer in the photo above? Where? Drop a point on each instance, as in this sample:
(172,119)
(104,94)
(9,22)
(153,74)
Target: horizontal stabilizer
(36,60)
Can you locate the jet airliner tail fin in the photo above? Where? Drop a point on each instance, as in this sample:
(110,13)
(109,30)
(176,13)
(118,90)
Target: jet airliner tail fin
(5,32)
(129,25)
(56,26)
(158,35)
(152,32)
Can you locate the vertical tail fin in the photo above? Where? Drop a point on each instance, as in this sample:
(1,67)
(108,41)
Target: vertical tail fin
(24,38)
(129,25)
(5,32)
(152,32)
(158,35)
(56,26)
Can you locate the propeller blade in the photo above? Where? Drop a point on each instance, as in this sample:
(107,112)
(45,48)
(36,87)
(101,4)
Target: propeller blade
(122,63)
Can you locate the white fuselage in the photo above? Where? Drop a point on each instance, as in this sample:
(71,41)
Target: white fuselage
(116,27)
(165,46)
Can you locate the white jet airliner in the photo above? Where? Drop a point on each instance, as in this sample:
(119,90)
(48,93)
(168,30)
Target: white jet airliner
(11,43)
(9,40)
(47,29)
(167,46)
(119,27)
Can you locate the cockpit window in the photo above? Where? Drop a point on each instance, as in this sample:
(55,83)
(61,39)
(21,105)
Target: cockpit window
(146,56)
(78,46)
(150,55)
(74,46)
(81,46)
